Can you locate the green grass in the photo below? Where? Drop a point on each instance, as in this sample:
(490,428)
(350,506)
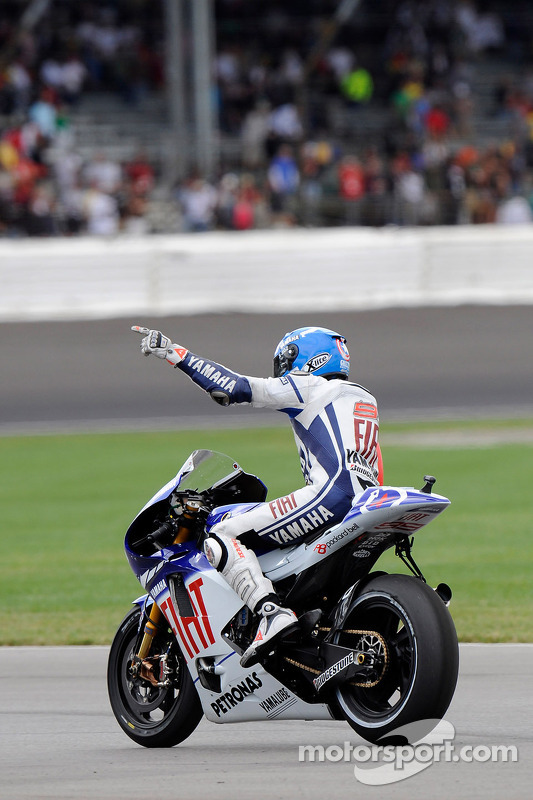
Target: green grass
(66,501)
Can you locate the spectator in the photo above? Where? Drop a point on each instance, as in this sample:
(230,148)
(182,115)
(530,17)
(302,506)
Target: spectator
(140,175)
(351,188)
(314,159)
(135,219)
(254,134)
(285,123)
(73,77)
(341,62)
(41,207)
(437,122)
(20,83)
(44,113)
(291,69)
(100,211)
(253,198)
(198,200)
(283,178)
(104,174)
(243,212)
(72,208)
(51,74)
(410,195)
(376,206)
(227,199)
(482,31)
(66,168)
(357,86)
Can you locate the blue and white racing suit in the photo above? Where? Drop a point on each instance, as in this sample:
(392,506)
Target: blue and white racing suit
(335,424)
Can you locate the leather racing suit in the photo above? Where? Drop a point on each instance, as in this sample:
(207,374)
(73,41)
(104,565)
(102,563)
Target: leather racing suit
(335,425)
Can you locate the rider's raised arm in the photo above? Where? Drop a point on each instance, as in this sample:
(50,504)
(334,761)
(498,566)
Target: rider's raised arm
(228,387)
(224,385)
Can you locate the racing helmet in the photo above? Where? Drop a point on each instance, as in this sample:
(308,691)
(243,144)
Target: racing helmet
(316,351)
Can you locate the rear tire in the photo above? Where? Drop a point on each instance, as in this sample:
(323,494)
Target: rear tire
(416,659)
(152,716)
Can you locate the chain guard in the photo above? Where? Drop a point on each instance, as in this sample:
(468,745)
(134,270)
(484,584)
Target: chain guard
(371,639)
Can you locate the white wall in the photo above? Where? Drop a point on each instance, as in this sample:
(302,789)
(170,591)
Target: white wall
(318,269)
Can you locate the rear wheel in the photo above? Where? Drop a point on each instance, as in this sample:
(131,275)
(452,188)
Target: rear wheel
(154,716)
(408,632)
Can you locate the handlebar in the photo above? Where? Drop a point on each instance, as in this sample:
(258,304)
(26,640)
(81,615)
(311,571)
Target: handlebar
(164,530)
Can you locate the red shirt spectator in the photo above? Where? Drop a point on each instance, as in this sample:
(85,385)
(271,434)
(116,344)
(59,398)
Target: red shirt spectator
(26,173)
(351,179)
(140,173)
(437,122)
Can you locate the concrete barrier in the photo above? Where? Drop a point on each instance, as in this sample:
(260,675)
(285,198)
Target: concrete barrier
(268,271)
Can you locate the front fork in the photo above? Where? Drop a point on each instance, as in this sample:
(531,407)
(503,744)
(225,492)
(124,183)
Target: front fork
(187,521)
(141,665)
(150,630)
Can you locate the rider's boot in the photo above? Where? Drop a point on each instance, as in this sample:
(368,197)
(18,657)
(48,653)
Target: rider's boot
(240,567)
(275,621)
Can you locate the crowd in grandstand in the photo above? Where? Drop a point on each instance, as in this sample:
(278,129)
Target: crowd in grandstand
(298,110)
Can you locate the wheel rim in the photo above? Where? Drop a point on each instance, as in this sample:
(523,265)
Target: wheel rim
(147,706)
(380,696)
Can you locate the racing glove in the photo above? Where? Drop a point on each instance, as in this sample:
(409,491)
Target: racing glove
(156,343)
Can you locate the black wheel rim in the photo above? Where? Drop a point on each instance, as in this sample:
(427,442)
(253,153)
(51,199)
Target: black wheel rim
(145,705)
(390,683)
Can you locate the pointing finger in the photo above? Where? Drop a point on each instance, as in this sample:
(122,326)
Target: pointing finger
(138,329)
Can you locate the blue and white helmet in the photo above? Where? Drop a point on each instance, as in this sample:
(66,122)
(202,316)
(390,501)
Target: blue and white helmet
(316,351)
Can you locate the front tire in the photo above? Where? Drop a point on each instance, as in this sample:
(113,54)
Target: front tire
(153,716)
(416,659)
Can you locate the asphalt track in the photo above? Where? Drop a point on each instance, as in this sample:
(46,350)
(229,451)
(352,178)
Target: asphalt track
(59,739)
(420,363)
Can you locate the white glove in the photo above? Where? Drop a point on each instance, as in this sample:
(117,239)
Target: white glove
(154,342)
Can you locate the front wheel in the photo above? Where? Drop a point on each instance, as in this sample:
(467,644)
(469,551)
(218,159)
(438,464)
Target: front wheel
(412,642)
(152,715)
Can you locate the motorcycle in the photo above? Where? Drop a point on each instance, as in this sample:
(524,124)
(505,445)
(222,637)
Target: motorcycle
(377,650)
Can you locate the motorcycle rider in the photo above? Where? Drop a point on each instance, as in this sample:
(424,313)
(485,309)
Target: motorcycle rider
(335,424)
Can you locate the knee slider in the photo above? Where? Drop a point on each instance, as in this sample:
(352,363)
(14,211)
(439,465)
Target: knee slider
(216,552)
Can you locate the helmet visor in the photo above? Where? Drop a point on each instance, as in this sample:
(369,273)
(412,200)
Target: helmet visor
(284,360)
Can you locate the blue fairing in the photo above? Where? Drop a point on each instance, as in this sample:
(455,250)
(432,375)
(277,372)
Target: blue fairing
(184,558)
(387,496)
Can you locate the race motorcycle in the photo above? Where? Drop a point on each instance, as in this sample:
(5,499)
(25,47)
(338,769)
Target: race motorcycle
(374,649)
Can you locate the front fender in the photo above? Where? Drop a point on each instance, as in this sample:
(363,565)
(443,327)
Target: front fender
(145,603)
(144,599)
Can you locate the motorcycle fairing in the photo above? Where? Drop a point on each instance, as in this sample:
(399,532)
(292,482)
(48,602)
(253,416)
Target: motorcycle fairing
(378,515)
(197,610)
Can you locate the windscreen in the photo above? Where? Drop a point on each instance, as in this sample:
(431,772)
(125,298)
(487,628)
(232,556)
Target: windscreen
(205,469)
